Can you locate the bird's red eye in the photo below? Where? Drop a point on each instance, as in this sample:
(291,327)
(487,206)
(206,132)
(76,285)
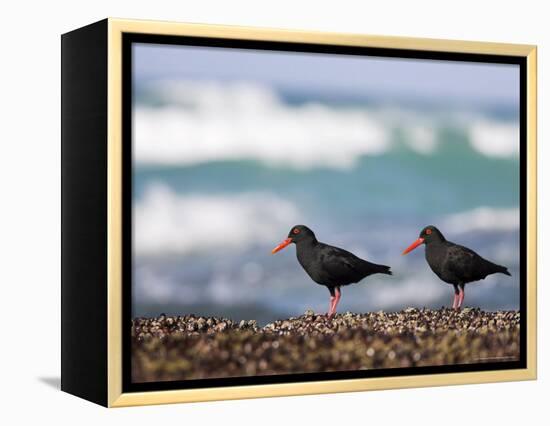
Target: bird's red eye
(295,231)
(428,231)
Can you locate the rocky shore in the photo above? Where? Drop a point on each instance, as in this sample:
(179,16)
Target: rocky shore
(192,347)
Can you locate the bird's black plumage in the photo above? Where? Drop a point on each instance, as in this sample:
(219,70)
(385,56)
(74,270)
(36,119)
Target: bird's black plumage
(330,266)
(453,263)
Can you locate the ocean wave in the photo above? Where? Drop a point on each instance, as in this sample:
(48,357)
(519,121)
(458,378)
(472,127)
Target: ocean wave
(483,219)
(199,122)
(249,122)
(495,139)
(168,222)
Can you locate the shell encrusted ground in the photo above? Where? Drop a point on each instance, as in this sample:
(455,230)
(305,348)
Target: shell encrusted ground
(168,348)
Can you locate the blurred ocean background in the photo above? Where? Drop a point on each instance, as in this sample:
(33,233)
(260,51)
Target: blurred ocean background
(233,148)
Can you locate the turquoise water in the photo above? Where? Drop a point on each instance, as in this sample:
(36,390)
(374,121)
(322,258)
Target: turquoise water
(398,183)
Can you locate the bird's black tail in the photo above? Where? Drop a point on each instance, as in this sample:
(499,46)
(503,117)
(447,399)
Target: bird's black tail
(382,269)
(504,270)
(501,269)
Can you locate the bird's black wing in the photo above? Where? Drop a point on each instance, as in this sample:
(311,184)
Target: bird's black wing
(342,266)
(463,262)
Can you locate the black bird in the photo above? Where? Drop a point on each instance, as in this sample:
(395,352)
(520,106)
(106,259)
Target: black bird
(330,266)
(453,263)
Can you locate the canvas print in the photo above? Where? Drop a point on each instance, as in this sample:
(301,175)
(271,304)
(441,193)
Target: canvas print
(302,213)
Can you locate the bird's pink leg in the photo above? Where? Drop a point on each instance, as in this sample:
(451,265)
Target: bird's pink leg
(455,301)
(460,297)
(331,306)
(335,302)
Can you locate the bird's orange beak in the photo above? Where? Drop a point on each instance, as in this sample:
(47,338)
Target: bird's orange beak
(281,246)
(413,246)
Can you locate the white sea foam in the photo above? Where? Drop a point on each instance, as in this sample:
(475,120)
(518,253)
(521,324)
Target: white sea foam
(483,219)
(199,122)
(168,222)
(422,138)
(495,139)
(245,121)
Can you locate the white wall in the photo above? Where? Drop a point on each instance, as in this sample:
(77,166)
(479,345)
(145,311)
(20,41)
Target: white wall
(29,232)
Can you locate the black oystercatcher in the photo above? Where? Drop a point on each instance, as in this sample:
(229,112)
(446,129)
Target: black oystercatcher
(454,264)
(330,266)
